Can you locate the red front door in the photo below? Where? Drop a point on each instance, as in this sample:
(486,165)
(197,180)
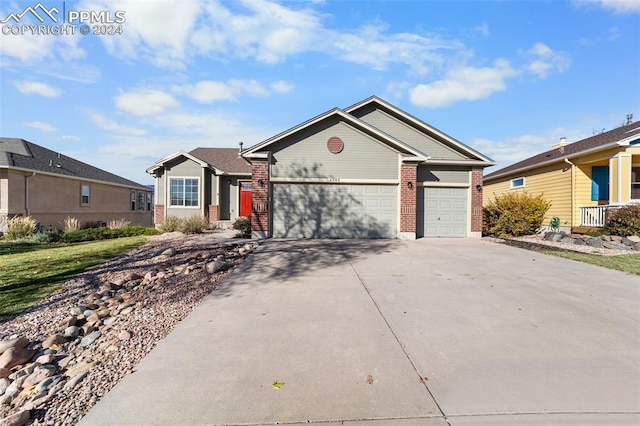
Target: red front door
(245,198)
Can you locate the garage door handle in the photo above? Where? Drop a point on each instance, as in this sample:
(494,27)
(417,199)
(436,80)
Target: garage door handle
(438,218)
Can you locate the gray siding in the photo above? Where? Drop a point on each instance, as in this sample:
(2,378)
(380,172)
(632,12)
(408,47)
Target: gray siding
(443,174)
(305,155)
(411,136)
(159,189)
(228,198)
(183,167)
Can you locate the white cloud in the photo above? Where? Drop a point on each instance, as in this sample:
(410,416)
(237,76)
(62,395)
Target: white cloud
(144,102)
(615,6)
(208,91)
(70,138)
(543,60)
(105,124)
(463,83)
(482,28)
(44,127)
(37,88)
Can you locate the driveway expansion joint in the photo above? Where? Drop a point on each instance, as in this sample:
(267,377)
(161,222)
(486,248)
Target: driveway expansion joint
(395,336)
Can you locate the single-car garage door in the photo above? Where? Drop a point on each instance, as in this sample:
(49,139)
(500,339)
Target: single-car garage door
(334,211)
(442,212)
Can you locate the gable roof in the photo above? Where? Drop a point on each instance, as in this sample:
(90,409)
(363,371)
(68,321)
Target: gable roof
(223,161)
(24,155)
(356,122)
(409,152)
(419,125)
(620,136)
(226,159)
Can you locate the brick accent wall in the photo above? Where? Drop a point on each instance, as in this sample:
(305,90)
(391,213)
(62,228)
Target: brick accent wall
(212,214)
(476,200)
(408,174)
(158,215)
(260,197)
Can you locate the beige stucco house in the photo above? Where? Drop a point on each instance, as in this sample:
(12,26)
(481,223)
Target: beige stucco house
(49,186)
(582,180)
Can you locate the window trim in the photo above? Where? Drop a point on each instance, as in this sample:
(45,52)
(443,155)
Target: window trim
(513,186)
(134,199)
(149,201)
(632,183)
(82,187)
(182,206)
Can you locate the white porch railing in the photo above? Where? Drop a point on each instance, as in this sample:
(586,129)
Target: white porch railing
(594,216)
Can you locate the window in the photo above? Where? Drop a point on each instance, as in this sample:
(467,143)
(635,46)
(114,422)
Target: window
(133,200)
(85,195)
(149,200)
(183,192)
(517,183)
(635,183)
(141,201)
(600,183)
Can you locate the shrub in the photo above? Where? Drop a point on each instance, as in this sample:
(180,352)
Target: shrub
(243,224)
(103,233)
(624,221)
(171,224)
(20,227)
(514,214)
(193,225)
(118,223)
(71,224)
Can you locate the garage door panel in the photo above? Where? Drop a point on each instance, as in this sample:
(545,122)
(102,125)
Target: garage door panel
(334,211)
(442,212)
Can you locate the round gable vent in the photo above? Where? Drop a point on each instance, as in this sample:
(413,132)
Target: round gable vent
(335,145)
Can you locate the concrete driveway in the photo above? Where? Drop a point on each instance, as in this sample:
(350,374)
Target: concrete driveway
(427,332)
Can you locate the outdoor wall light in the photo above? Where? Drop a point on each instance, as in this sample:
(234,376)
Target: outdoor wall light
(479,187)
(260,182)
(410,185)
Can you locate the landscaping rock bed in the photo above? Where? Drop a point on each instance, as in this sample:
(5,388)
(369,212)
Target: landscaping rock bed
(62,355)
(603,245)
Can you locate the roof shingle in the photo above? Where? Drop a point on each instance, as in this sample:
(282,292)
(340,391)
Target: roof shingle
(225,159)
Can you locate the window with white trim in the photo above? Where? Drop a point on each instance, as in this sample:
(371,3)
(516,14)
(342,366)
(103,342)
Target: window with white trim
(133,201)
(85,195)
(635,183)
(183,192)
(517,183)
(149,201)
(141,200)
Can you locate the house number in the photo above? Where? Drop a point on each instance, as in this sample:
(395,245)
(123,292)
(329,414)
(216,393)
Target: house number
(332,179)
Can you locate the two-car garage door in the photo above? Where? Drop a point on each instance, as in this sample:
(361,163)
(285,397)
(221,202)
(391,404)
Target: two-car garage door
(304,210)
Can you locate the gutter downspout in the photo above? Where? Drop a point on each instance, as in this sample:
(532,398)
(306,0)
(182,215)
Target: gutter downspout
(566,160)
(26,193)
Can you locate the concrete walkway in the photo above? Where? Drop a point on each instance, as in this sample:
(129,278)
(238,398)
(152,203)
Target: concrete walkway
(427,332)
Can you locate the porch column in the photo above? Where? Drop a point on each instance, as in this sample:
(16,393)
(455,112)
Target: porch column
(476,203)
(260,198)
(408,188)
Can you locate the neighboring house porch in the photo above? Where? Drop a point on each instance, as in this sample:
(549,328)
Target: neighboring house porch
(582,180)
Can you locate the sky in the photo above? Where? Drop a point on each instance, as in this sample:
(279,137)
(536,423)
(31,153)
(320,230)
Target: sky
(507,78)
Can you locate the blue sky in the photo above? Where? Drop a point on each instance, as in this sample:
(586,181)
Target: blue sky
(508,78)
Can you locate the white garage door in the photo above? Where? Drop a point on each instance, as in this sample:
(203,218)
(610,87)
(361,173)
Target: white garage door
(334,211)
(442,212)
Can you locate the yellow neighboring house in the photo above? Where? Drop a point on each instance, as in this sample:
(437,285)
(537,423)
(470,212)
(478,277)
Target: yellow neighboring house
(581,179)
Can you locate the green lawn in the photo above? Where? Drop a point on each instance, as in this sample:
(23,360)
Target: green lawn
(30,272)
(629,263)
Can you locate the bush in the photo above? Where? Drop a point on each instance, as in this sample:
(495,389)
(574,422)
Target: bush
(193,225)
(171,224)
(243,224)
(624,221)
(103,233)
(514,214)
(118,223)
(71,224)
(20,227)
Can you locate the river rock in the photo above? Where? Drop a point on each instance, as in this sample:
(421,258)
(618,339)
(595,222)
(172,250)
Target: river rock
(132,276)
(46,359)
(125,335)
(4,372)
(4,384)
(595,242)
(169,252)
(18,342)
(216,266)
(54,341)
(39,375)
(78,310)
(46,384)
(15,356)
(75,380)
(17,419)
(72,331)
(90,338)
(81,367)
(613,245)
